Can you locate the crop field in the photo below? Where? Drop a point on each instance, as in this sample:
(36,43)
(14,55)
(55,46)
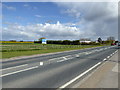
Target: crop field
(29,47)
(21,49)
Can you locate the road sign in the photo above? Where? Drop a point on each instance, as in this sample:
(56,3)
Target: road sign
(44,41)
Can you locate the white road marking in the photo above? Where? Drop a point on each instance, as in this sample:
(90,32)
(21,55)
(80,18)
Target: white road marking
(73,80)
(13,67)
(64,58)
(104,59)
(77,55)
(116,51)
(108,56)
(41,63)
(61,60)
(88,52)
(54,59)
(18,71)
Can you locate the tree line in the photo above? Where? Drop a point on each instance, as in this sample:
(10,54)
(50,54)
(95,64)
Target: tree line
(68,42)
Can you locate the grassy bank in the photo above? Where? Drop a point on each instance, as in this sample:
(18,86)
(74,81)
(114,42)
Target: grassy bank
(14,50)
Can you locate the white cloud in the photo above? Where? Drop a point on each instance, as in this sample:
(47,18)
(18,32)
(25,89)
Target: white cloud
(38,16)
(33,32)
(95,18)
(8,7)
(26,5)
(35,8)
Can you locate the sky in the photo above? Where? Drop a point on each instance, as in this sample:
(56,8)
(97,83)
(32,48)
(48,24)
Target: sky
(59,20)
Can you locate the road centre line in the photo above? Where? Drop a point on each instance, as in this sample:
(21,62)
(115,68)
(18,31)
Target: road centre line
(73,80)
(65,58)
(13,67)
(19,71)
(61,60)
(76,55)
(29,68)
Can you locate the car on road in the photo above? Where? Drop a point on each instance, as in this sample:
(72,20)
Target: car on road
(118,44)
(113,44)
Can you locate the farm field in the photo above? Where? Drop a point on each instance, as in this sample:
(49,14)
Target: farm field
(9,50)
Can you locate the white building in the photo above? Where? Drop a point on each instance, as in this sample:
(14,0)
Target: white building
(85,40)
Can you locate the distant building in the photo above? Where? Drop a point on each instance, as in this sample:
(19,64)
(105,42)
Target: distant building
(111,39)
(85,40)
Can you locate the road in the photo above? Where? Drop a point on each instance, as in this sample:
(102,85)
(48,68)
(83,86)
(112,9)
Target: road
(59,70)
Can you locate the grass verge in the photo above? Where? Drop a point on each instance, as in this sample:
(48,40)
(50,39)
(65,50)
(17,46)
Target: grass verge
(33,52)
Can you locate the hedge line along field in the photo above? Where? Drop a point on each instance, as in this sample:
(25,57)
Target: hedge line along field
(9,50)
(31,47)
(15,42)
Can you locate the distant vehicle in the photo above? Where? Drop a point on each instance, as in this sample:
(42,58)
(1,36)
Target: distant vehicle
(119,44)
(113,44)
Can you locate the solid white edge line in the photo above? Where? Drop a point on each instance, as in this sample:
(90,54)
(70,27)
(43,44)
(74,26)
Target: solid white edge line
(18,71)
(104,59)
(108,56)
(13,67)
(73,80)
(116,51)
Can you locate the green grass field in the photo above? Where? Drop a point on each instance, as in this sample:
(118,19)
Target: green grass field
(14,50)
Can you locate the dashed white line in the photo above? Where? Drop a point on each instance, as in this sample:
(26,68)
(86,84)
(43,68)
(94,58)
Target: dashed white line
(61,60)
(70,56)
(64,58)
(116,51)
(18,71)
(41,63)
(104,59)
(108,56)
(13,67)
(77,55)
(73,80)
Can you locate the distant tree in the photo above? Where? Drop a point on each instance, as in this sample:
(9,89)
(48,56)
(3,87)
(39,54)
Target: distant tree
(76,42)
(21,41)
(13,40)
(40,39)
(111,39)
(99,40)
(37,42)
(66,42)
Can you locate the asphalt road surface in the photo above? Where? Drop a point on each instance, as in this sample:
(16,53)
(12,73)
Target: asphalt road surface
(53,71)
